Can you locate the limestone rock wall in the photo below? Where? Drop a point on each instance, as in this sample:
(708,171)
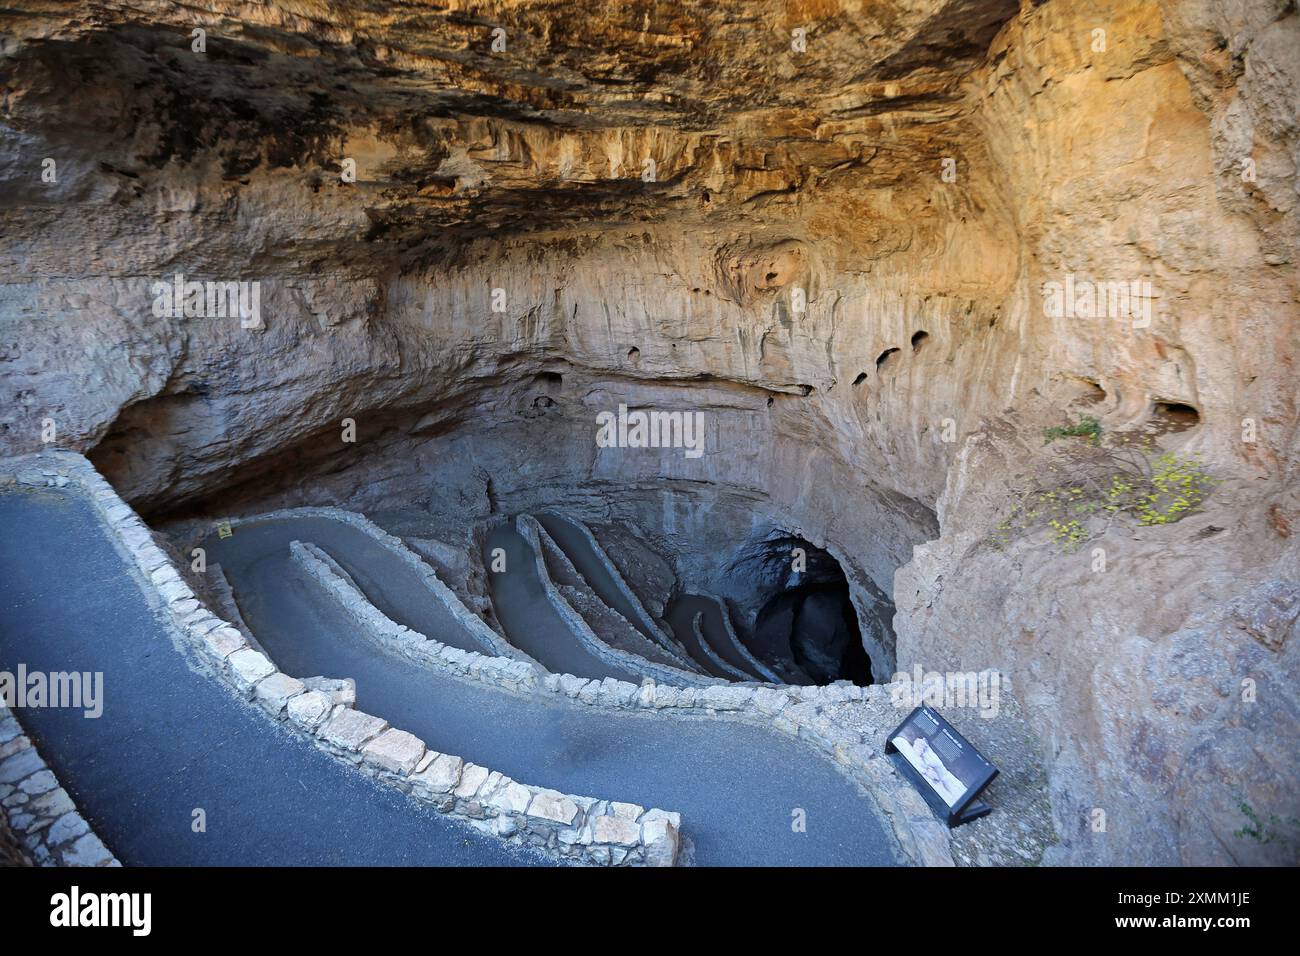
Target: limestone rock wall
(839,260)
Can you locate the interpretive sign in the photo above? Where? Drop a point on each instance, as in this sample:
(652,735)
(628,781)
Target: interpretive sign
(945,767)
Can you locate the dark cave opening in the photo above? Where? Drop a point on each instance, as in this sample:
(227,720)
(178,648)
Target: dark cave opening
(819,627)
(807,626)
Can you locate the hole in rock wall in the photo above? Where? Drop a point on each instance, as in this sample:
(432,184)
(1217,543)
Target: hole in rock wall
(862,377)
(884,359)
(918,340)
(1090,391)
(634,354)
(1176,415)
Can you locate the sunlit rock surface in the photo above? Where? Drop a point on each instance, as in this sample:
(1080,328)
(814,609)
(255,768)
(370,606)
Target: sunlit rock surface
(836,255)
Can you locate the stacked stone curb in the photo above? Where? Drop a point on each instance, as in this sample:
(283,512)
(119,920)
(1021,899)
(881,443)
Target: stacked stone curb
(568,580)
(737,644)
(799,712)
(528,527)
(487,638)
(644,618)
(41,814)
(581,829)
(715,660)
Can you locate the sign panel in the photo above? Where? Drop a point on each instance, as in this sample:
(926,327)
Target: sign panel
(943,765)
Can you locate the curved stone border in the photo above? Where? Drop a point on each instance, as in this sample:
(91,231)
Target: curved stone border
(795,711)
(646,619)
(488,639)
(584,829)
(563,568)
(529,528)
(221,598)
(707,649)
(799,712)
(761,669)
(792,710)
(41,814)
(599,831)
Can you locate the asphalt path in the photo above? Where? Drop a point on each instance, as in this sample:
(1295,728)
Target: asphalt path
(740,789)
(172,737)
(578,550)
(519,599)
(681,612)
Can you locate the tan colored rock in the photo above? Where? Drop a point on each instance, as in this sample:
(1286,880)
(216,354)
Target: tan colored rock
(247,667)
(441,776)
(554,806)
(612,829)
(351,729)
(310,709)
(925,167)
(394,750)
(275,691)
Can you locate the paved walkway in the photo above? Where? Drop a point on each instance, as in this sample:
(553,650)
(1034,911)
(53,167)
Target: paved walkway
(735,785)
(578,550)
(684,608)
(172,738)
(519,600)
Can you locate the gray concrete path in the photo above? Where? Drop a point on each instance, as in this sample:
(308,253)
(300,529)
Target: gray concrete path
(172,738)
(680,616)
(518,595)
(736,786)
(578,550)
(681,612)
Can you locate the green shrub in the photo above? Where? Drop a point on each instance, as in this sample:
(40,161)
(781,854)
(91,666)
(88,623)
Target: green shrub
(1086,426)
(1082,496)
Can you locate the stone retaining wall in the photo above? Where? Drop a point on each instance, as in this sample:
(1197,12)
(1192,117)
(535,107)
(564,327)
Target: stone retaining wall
(736,643)
(487,638)
(810,714)
(579,593)
(529,528)
(582,829)
(715,659)
(42,817)
(595,830)
(644,617)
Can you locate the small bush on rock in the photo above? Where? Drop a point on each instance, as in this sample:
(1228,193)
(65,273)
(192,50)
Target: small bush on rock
(1085,427)
(1084,493)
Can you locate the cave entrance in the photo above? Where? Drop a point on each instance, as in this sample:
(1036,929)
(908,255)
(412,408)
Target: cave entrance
(807,626)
